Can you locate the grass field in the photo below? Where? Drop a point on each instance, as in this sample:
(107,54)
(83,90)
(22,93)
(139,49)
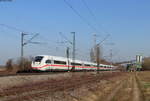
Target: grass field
(144,83)
(109,86)
(134,87)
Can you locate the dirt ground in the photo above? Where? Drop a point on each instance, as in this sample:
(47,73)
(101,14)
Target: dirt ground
(134,87)
(10,81)
(112,86)
(144,84)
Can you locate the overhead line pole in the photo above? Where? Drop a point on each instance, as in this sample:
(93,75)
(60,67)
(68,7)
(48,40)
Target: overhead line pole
(25,43)
(98,57)
(22,49)
(103,39)
(98,52)
(111,56)
(73,43)
(67,54)
(94,48)
(22,35)
(74,51)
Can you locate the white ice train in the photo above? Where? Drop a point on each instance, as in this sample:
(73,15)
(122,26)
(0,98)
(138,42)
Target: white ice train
(54,63)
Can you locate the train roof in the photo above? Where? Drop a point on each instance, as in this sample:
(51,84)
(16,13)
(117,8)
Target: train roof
(76,61)
(64,59)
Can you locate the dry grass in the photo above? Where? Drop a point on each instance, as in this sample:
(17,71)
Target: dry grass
(144,81)
(71,89)
(124,88)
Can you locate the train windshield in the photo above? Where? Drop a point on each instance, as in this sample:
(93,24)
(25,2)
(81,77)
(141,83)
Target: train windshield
(38,58)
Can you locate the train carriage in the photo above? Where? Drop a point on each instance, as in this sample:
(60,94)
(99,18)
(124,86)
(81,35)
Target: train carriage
(54,63)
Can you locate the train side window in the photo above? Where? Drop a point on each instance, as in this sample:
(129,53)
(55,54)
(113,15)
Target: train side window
(76,64)
(48,62)
(59,62)
(96,65)
(88,65)
(38,58)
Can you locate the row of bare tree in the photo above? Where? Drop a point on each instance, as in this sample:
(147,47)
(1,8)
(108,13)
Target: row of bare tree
(19,66)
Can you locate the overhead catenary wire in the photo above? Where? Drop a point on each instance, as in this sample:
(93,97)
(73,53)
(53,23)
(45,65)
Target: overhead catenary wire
(81,17)
(88,8)
(63,36)
(15,28)
(12,35)
(86,21)
(23,31)
(82,55)
(29,41)
(94,16)
(96,22)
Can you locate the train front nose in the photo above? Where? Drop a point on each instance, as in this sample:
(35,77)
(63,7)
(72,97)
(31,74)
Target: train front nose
(35,65)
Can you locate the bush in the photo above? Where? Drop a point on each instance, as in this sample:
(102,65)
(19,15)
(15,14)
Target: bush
(146,64)
(25,65)
(9,65)
(19,66)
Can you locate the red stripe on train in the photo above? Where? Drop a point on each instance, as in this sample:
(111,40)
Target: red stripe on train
(67,66)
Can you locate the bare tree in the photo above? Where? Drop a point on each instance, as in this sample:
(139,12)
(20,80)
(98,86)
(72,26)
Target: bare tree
(9,65)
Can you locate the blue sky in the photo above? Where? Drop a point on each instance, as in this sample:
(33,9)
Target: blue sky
(127,21)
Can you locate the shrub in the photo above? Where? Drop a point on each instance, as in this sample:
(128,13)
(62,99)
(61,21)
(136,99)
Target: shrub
(9,65)
(19,66)
(146,64)
(24,65)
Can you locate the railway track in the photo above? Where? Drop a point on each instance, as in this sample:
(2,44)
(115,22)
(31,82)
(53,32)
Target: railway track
(37,73)
(28,74)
